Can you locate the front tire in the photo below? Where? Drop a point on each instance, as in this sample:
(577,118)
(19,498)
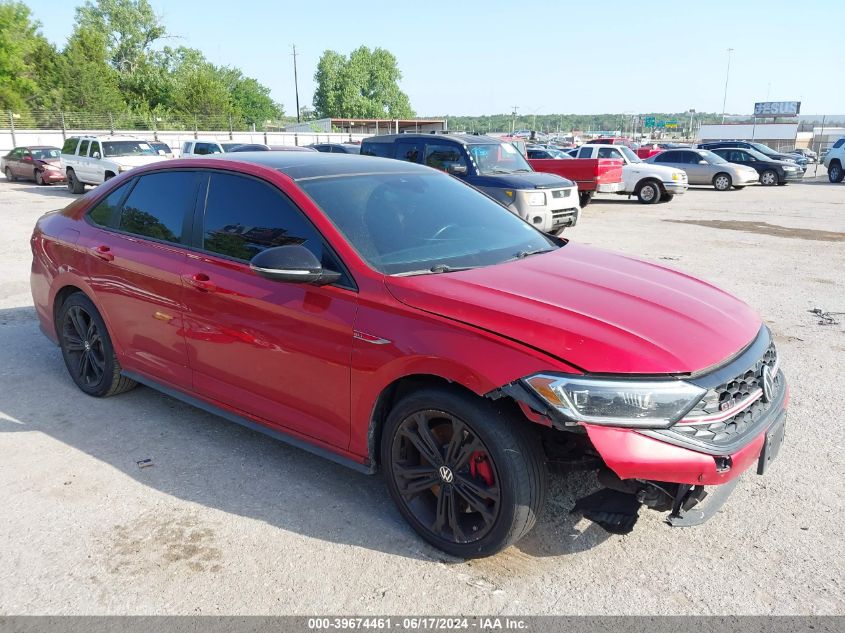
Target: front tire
(9,175)
(769,178)
(467,475)
(87,349)
(667,197)
(648,192)
(835,174)
(585,197)
(39,178)
(722,182)
(73,184)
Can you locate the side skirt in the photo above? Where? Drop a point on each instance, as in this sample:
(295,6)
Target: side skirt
(255,426)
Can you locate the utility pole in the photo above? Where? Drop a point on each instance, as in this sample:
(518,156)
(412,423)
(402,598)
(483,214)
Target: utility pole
(727,76)
(296,84)
(513,117)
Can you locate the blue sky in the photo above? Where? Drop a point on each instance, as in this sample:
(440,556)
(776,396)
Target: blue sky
(474,57)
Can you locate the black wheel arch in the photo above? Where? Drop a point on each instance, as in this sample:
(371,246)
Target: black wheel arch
(404,385)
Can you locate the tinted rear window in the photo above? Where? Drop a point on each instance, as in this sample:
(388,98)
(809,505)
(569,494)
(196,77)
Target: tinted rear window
(70,146)
(106,210)
(385,150)
(158,205)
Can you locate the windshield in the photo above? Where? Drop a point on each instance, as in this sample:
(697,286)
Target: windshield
(45,154)
(127,148)
(497,158)
(710,157)
(629,154)
(764,149)
(757,155)
(409,223)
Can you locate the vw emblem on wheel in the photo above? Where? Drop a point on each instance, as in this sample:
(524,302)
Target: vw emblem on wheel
(446,474)
(768,381)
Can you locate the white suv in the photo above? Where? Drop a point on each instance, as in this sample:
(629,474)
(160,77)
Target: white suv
(91,160)
(834,161)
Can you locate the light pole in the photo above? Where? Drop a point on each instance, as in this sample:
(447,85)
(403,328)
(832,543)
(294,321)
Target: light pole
(691,115)
(727,76)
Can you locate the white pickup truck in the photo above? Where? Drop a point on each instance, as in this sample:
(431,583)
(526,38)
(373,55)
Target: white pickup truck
(650,183)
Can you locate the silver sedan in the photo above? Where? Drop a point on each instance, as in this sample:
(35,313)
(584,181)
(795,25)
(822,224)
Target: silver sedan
(703,167)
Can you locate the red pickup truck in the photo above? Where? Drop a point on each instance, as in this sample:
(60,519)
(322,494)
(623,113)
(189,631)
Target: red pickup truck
(602,175)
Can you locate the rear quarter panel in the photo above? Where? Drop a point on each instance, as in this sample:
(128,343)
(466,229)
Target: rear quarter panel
(585,172)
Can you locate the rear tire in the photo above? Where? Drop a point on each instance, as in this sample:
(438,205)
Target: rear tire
(467,475)
(835,172)
(9,175)
(722,182)
(585,197)
(87,349)
(648,192)
(73,184)
(769,178)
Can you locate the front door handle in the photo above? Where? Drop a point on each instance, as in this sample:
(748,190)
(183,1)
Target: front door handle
(200,281)
(103,252)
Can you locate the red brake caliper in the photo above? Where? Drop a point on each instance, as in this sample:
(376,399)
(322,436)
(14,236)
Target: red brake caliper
(479,466)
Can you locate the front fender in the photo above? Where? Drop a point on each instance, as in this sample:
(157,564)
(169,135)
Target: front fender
(416,343)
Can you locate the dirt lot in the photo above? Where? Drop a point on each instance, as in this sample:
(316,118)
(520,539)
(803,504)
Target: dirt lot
(229,521)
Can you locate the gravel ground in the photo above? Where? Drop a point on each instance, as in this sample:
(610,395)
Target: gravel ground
(228,521)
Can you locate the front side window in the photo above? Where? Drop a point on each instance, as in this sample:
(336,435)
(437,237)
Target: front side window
(95,149)
(244,216)
(839,143)
(158,205)
(609,152)
(443,156)
(69,146)
(404,223)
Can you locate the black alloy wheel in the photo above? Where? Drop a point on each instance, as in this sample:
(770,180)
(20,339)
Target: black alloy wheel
(83,344)
(87,349)
(468,474)
(445,476)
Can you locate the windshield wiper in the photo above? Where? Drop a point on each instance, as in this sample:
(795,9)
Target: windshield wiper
(520,169)
(443,268)
(524,254)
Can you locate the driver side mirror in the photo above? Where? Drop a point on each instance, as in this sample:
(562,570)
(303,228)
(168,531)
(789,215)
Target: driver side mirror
(703,162)
(456,169)
(96,155)
(292,263)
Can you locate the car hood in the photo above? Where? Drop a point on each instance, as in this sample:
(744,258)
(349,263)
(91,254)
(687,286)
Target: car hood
(602,312)
(136,161)
(521,180)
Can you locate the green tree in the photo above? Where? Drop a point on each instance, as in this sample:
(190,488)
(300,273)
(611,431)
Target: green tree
(90,84)
(363,85)
(27,60)
(130,26)
(250,100)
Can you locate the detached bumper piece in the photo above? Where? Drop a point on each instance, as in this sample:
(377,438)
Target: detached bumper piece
(616,507)
(695,504)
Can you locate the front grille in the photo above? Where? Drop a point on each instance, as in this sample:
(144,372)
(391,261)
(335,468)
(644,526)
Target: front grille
(728,395)
(561,193)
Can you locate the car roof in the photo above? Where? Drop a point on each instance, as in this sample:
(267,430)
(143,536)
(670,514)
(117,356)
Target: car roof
(36,147)
(110,137)
(306,165)
(466,139)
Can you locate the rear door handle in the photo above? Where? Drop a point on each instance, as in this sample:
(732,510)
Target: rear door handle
(200,281)
(103,252)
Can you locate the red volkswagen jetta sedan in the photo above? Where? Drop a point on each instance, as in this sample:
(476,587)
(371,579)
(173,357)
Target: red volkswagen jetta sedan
(386,315)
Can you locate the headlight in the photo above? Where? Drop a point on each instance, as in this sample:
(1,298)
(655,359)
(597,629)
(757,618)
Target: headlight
(788,168)
(51,167)
(632,403)
(123,168)
(535,198)
(676,176)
